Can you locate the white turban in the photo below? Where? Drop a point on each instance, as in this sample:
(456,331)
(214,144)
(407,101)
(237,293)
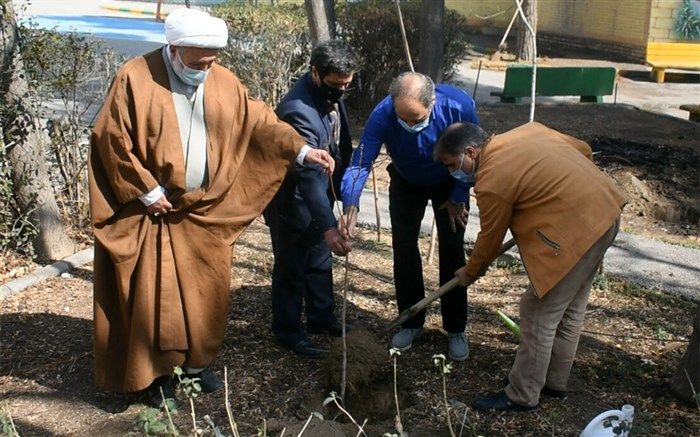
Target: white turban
(193,28)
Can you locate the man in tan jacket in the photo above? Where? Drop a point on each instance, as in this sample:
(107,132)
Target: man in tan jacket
(181,161)
(564,214)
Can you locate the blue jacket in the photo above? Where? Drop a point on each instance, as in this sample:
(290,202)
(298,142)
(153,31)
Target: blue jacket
(411,153)
(304,201)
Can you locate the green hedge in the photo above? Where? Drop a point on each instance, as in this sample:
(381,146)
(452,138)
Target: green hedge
(372,27)
(268,46)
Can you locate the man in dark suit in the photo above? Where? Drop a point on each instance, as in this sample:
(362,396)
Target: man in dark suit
(303,227)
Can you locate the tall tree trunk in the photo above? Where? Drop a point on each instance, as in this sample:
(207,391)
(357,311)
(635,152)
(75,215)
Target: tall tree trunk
(25,140)
(525,41)
(685,383)
(432,37)
(321,16)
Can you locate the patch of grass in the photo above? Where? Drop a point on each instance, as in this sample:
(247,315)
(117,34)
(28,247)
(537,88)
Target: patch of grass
(660,333)
(371,244)
(690,243)
(611,284)
(675,240)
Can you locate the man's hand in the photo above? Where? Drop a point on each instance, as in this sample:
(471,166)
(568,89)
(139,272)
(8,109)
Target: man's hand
(322,158)
(160,207)
(458,214)
(464,278)
(350,220)
(338,244)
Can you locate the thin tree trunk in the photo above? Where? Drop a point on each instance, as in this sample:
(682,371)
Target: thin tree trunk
(321,18)
(685,383)
(525,41)
(25,141)
(431,38)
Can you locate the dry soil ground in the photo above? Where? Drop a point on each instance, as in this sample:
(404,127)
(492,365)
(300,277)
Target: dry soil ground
(632,342)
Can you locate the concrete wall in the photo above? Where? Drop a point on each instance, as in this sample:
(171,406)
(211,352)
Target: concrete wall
(617,21)
(499,11)
(616,26)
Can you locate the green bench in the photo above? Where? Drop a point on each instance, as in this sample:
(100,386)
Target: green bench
(591,83)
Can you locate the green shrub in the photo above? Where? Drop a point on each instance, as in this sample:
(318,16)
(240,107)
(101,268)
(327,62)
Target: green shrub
(268,47)
(16,231)
(75,71)
(372,27)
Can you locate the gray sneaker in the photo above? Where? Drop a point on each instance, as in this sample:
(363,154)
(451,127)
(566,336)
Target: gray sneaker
(403,340)
(458,346)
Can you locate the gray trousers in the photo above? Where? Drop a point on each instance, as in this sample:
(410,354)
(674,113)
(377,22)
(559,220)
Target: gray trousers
(551,327)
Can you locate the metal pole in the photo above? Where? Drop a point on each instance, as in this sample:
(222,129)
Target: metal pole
(476,84)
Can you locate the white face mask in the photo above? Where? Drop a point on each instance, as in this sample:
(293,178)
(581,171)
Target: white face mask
(416,127)
(188,75)
(463,176)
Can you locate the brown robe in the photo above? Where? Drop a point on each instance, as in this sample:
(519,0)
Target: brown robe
(161,284)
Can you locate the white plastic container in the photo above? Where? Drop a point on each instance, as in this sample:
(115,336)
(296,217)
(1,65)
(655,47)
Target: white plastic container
(604,424)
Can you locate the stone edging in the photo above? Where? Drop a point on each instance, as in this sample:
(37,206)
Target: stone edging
(55,269)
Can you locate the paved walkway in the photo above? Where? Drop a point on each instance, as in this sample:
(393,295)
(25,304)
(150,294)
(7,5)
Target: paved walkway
(639,260)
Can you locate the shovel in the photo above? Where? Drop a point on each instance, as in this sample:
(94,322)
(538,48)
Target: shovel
(452,283)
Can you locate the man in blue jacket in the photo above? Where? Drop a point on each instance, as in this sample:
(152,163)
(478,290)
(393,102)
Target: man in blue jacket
(303,227)
(409,121)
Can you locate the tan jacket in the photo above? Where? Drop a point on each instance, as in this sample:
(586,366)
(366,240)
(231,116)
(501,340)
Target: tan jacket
(543,185)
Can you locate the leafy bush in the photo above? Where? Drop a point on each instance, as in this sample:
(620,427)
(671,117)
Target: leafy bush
(687,24)
(75,71)
(268,47)
(372,27)
(16,231)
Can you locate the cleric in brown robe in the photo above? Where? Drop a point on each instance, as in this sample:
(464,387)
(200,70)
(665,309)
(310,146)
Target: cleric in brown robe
(181,161)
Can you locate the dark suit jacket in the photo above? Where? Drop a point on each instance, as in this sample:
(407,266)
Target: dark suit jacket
(304,202)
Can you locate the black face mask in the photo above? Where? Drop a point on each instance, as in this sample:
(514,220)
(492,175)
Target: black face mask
(329,93)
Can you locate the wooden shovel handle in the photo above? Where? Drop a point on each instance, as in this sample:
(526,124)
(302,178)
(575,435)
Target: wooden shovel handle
(452,283)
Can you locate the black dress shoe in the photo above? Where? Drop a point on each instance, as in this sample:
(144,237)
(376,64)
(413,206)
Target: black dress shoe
(562,395)
(153,396)
(208,380)
(307,349)
(500,402)
(334,329)
(556,394)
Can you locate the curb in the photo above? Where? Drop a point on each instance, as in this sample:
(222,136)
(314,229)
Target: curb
(55,269)
(133,10)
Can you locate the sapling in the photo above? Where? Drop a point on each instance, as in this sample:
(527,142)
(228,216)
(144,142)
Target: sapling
(169,404)
(394,353)
(444,367)
(311,416)
(149,421)
(191,389)
(262,432)
(7,426)
(346,226)
(214,429)
(333,397)
(231,421)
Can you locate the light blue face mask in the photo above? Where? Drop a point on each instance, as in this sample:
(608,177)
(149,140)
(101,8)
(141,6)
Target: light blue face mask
(462,176)
(188,75)
(416,127)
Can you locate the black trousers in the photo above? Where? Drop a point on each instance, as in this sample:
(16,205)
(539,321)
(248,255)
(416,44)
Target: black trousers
(302,272)
(407,203)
